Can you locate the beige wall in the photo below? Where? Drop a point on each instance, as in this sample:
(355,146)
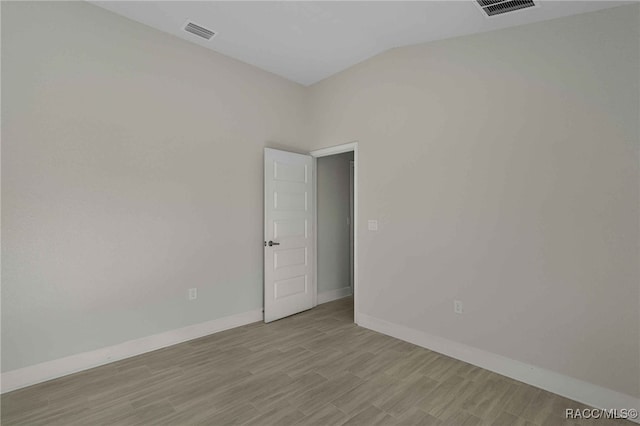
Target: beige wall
(503,168)
(132,168)
(334,266)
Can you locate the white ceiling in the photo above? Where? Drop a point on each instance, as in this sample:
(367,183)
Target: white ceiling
(307,41)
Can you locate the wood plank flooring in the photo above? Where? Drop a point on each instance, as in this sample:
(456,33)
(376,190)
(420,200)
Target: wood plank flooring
(314,368)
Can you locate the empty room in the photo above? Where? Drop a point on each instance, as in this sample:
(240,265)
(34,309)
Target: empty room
(320,212)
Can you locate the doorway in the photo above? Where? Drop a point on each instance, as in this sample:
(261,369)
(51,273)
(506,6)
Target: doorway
(334,227)
(336,223)
(291,221)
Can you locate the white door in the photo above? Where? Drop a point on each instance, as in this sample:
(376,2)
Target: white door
(289,257)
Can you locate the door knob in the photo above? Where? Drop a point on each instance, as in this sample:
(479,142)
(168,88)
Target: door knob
(271,243)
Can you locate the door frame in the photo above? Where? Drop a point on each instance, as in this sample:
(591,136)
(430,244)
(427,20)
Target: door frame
(352,215)
(325,152)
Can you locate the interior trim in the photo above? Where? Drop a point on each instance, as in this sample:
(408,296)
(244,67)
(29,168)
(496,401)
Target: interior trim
(560,384)
(31,375)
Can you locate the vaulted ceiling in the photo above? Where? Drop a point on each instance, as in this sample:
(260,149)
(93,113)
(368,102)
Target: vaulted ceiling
(307,41)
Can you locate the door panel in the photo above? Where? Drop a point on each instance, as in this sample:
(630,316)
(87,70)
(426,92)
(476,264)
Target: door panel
(288,213)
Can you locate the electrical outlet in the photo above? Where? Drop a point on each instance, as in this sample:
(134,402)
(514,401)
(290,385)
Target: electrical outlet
(457,306)
(193,294)
(372,225)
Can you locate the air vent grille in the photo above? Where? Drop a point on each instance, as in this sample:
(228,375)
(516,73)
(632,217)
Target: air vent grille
(199,31)
(498,7)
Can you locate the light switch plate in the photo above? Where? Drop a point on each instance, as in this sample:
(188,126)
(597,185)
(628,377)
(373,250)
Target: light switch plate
(373,225)
(192,294)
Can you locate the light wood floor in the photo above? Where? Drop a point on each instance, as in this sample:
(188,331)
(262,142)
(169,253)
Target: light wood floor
(315,368)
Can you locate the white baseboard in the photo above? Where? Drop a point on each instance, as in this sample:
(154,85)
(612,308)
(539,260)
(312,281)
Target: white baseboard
(577,390)
(331,295)
(22,377)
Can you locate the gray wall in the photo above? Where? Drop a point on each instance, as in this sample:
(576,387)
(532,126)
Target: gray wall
(131,171)
(503,168)
(334,270)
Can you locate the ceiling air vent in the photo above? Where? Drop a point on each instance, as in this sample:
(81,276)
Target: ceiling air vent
(192,28)
(498,7)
